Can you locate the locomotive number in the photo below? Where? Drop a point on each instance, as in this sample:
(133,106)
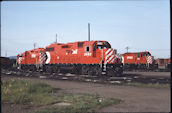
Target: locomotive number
(87,54)
(33,55)
(129,57)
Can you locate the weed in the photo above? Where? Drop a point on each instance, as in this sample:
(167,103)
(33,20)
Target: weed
(81,103)
(28,93)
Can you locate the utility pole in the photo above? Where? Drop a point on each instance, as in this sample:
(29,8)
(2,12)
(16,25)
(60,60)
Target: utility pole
(88,31)
(6,54)
(127,48)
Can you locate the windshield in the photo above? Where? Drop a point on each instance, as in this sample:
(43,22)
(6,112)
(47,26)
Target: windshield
(103,45)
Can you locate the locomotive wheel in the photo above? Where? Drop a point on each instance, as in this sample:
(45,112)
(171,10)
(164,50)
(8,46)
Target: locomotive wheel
(98,71)
(32,68)
(85,70)
(78,70)
(118,71)
(90,71)
(49,69)
(56,69)
(110,72)
(74,70)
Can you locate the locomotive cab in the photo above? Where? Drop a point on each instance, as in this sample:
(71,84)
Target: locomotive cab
(110,62)
(99,47)
(104,48)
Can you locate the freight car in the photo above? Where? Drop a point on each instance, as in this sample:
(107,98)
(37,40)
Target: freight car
(138,61)
(85,57)
(6,63)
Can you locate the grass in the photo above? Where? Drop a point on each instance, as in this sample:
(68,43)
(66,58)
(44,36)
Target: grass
(148,85)
(27,93)
(35,94)
(81,103)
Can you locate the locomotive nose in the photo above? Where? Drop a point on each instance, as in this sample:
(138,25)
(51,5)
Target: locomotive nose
(45,57)
(110,55)
(149,59)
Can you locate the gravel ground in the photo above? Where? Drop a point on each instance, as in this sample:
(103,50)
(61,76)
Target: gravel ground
(125,78)
(135,99)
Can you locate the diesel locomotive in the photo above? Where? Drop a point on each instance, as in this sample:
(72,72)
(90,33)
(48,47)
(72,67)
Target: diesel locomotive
(138,61)
(83,57)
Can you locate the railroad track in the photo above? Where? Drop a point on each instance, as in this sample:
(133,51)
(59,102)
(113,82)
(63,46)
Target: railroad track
(123,79)
(155,70)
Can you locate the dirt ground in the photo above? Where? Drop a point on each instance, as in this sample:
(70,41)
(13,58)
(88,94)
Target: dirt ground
(135,99)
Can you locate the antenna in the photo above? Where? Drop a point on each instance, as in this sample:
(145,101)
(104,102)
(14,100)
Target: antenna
(34,45)
(127,48)
(56,37)
(88,31)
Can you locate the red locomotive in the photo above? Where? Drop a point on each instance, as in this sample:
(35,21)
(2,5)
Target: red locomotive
(86,57)
(163,64)
(138,60)
(30,59)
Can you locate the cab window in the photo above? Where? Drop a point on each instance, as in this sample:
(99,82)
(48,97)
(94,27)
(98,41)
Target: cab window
(65,46)
(94,47)
(80,44)
(107,45)
(87,49)
(101,45)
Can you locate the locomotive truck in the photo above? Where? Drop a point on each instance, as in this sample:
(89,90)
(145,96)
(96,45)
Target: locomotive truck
(84,57)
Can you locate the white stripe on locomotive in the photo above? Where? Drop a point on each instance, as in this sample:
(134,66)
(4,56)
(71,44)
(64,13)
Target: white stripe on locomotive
(110,58)
(107,51)
(149,59)
(108,55)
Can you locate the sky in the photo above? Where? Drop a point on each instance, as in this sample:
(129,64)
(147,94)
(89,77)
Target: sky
(142,25)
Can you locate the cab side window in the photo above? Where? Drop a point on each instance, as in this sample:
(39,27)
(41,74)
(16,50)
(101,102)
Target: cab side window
(50,49)
(80,44)
(87,49)
(99,47)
